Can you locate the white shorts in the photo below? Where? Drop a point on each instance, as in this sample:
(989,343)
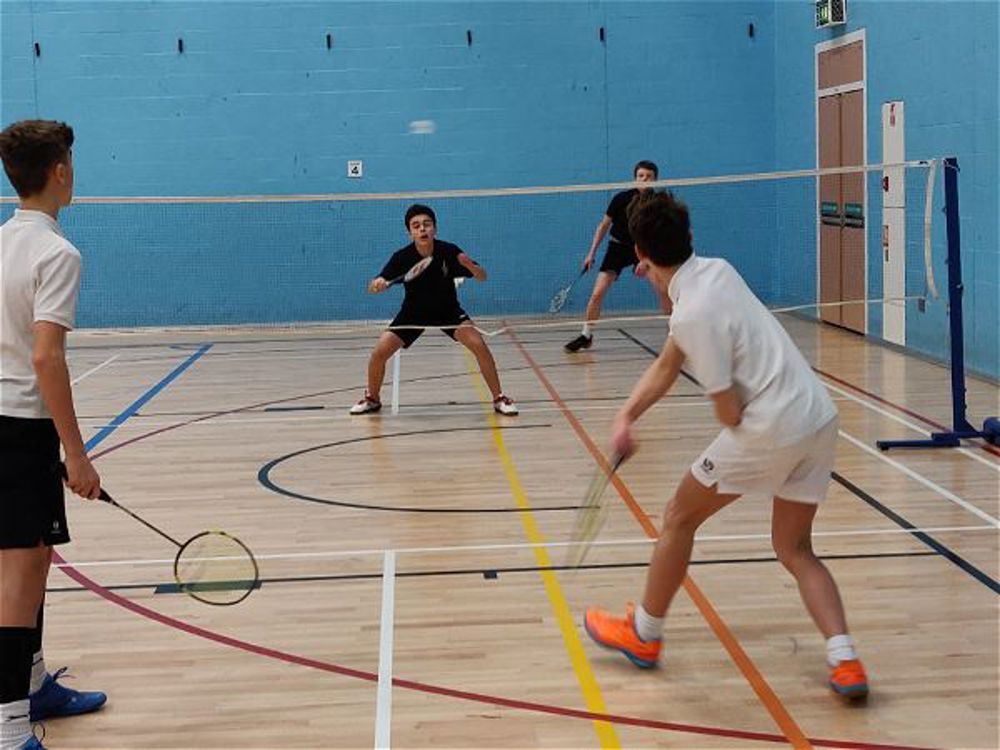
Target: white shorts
(800,471)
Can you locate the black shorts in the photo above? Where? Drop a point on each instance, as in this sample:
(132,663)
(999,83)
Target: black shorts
(32,505)
(618,256)
(447,321)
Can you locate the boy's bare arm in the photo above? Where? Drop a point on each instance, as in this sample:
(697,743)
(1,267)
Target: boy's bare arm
(48,357)
(655,382)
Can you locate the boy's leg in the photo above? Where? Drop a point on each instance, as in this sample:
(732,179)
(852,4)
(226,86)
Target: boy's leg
(601,285)
(691,506)
(467,335)
(791,537)
(23,572)
(387,345)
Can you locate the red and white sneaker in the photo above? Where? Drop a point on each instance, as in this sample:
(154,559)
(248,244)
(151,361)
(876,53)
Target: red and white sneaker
(367,405)
(503,405)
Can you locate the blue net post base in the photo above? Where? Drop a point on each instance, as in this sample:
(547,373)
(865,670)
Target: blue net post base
(990,433)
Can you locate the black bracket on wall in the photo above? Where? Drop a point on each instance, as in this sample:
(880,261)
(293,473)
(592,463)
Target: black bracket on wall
(180,46)
(468,37)
(600,33)
(38,50)
(329,41)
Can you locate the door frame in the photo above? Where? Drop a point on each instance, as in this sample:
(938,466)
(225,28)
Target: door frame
(842,41)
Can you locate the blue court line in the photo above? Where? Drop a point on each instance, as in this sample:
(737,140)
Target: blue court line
(118,421)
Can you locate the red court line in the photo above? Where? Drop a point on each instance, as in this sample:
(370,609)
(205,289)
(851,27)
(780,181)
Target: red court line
(875,397)
(423,687)
(764,692)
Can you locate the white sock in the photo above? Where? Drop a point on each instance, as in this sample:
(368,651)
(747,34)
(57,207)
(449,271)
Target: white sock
(15,727)
(586,330)
(647,627)
(38,672)
(840,648)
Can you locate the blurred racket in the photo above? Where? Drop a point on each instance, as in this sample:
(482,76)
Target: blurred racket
(212,566)
(592,514)
(559,298)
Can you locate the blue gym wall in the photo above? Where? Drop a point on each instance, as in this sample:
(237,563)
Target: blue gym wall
(257,104)
(941,59)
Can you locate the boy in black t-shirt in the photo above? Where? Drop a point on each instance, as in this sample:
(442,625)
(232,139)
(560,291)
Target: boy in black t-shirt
(620,254)
(430,300)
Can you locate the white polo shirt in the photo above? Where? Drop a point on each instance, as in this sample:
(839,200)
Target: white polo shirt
(39,281)
(730,339)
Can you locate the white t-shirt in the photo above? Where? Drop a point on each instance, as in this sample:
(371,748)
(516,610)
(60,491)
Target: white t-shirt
(39,281)
(730,339)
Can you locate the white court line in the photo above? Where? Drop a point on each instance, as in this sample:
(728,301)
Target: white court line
(91,371)
(946,494)
(334,554)
(383,707)
(900,420)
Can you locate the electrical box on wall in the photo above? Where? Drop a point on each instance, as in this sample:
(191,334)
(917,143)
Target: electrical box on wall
(830,13)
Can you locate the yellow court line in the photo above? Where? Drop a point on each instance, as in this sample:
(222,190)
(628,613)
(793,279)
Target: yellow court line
(578,658)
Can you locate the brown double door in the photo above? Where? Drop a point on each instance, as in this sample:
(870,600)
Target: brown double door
(841,207)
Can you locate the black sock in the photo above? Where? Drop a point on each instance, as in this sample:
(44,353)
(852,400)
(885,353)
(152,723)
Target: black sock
(15,663)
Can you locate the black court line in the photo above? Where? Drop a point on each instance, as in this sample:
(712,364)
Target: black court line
(489,574)
(652,351)
(942,549)
(923,536)
(263,476)
(294,408)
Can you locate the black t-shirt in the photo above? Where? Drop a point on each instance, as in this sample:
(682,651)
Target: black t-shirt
(432,293)
(618,211)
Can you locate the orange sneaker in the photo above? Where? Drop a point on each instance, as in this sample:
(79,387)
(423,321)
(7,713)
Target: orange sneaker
(619,633)
(849,679)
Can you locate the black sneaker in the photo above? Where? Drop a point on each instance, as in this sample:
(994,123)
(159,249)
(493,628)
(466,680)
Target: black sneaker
(580,342)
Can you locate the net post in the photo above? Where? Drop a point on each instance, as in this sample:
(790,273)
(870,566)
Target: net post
(961,429)
(955,293)
(395,380)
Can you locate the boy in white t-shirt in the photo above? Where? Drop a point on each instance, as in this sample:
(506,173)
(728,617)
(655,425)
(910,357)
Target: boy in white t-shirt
(778,438)
(39,285)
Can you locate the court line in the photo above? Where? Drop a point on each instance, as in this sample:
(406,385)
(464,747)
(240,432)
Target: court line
(946,494)
(931,542)
(589,687)
(383,706)
(765,693)
(119,420)
(92,370)
(638,541)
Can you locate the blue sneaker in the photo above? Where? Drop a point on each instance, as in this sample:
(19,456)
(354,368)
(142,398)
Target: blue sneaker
(54,700)
(33,744)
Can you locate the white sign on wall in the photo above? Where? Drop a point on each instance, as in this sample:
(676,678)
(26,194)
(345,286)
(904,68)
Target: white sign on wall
(356,168)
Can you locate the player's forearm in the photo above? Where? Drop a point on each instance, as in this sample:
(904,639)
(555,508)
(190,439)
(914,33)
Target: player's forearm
(54,386)
(477,271)
(655,382)
(599,234)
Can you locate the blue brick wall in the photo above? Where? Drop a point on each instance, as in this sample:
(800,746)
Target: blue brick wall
(941,59)
(257,104)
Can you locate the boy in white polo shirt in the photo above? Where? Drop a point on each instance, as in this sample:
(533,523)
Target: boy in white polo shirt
(39,284)
(778,437)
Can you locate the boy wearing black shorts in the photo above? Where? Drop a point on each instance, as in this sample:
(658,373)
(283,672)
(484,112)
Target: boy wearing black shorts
(39,285)
(430,300)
